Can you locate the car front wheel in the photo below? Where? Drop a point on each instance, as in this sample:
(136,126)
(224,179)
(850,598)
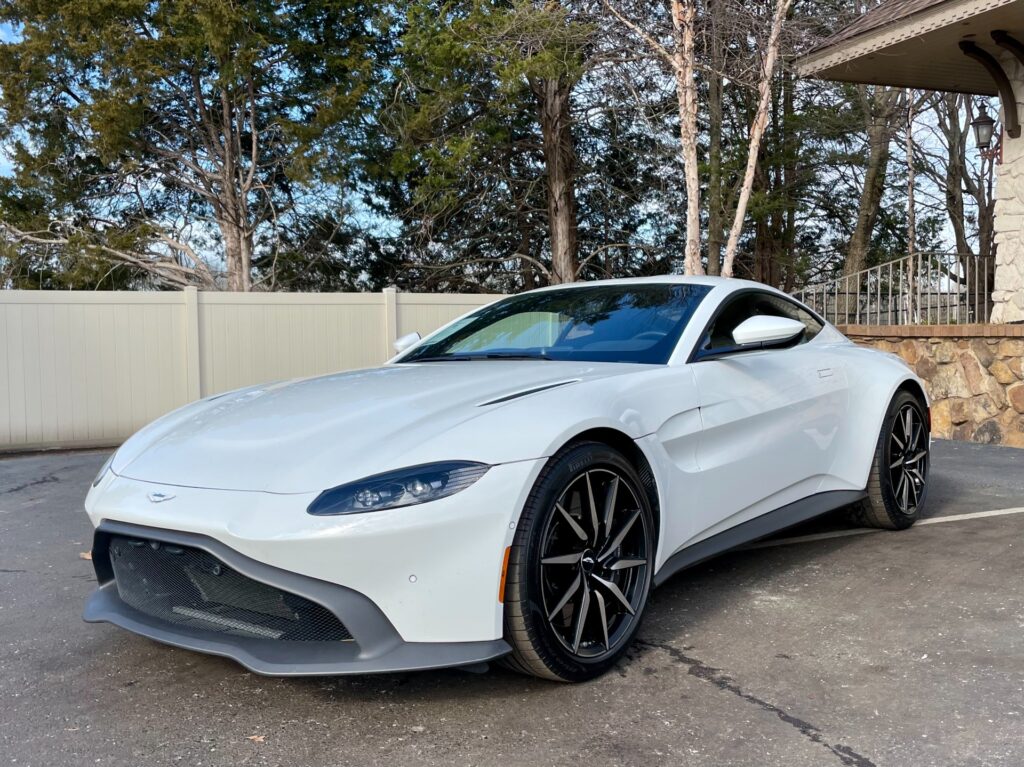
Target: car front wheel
(580,566)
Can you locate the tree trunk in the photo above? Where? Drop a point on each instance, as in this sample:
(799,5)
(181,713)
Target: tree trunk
(789,180)
(870,198)
(684,14)
(681,59)
(245,260)
(231,216)
(880,133)
(553,98)
(986,211)
(911,202)
(716,200)
(232,220)
(957,175)
(232,255)
(230,204)
(764,89)
(776,188)
(716,215)
(763,245)
(527,269)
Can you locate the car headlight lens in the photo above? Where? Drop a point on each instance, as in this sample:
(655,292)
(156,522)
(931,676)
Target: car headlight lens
(394,489)
(105,468)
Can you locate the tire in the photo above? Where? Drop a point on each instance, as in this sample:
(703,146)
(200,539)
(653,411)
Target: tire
(898,483)
(567,561)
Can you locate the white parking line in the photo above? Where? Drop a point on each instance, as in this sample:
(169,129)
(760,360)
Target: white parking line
(866,530)
(972,515)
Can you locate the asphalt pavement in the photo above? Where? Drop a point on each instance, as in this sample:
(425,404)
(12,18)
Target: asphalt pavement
(818,648)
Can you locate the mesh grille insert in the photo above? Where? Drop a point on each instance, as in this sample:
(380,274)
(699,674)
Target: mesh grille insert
(189,587)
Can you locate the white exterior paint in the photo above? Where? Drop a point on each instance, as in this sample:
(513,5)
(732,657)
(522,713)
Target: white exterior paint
(727,439)
(764,329)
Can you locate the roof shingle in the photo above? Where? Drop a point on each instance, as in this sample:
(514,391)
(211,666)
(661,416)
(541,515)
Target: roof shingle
(885,13)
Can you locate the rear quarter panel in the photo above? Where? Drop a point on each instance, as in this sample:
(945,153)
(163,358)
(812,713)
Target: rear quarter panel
(874,377)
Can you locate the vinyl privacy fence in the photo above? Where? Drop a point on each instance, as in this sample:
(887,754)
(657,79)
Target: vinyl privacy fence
(82,368)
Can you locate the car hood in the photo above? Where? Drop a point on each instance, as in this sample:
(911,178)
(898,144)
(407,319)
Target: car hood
(311,434)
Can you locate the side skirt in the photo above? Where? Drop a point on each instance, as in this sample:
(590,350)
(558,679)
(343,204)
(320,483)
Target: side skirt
(759,527)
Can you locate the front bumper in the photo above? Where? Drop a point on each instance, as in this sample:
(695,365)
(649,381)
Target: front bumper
(375,645)
(434,570)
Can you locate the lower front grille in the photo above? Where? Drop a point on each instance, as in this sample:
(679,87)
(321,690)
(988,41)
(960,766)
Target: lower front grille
(190,587)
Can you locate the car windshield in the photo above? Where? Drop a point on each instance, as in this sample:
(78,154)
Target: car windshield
(599,323)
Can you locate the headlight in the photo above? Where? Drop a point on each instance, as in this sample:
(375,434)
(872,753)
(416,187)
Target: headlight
(394,489)
(104,469)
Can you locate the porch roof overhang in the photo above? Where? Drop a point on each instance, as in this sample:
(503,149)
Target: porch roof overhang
(917,44)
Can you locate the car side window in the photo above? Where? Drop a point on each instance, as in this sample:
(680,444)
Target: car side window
(747,305)
(786,308)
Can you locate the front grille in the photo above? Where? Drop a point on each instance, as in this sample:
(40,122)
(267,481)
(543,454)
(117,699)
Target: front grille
(190,587)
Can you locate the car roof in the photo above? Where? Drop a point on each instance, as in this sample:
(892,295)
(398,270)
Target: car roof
(726,284)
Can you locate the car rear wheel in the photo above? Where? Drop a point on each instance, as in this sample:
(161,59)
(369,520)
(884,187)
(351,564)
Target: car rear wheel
(580,566)
(898,484)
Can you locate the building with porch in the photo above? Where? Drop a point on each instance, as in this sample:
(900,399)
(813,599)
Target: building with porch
(973,371)
(965,46)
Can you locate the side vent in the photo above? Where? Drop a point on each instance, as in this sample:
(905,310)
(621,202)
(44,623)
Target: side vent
(527,392)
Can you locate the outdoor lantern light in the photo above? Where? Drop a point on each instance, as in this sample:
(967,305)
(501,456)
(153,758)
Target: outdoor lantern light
(983,126)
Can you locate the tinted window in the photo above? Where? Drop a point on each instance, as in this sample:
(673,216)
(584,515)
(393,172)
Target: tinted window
(603,323)
(748,305)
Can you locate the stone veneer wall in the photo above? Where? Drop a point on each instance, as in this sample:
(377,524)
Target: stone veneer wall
(1008,288)
(974,375)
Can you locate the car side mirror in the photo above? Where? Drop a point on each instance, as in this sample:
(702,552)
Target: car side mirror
(760,332)
(765,330)
(406,341)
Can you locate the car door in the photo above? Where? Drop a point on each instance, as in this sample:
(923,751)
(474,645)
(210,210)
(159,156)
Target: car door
(769,417)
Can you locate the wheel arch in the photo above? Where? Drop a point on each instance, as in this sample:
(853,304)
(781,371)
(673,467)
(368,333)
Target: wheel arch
(914,387)
(626,445)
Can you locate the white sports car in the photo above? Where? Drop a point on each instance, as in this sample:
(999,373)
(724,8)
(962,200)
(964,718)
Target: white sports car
(511,487)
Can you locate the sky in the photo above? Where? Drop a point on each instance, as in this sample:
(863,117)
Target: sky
(7,34)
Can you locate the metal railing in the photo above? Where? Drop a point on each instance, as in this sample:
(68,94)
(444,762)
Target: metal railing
(921,289)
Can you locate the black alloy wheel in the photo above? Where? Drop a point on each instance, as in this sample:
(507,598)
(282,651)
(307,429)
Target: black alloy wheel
(581,565)
(908,458)
(594,559)
(898,482)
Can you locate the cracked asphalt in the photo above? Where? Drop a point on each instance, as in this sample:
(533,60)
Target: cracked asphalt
(876,649)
